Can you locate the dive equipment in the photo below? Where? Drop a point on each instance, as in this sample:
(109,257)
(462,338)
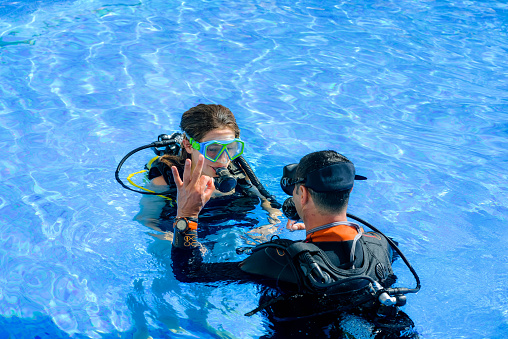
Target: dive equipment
(182,224)
(213,149)
(186,232)
(318,275)
(225,182)
(171,143)
(289,209)
(173,146)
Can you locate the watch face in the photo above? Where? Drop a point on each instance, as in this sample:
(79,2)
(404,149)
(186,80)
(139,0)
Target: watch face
(181,225)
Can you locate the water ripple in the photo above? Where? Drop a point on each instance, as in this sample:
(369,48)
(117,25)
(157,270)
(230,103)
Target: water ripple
(413,92)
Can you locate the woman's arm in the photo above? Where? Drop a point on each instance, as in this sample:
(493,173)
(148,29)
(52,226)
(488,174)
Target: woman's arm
(273,213)
(188,266)
(150,207)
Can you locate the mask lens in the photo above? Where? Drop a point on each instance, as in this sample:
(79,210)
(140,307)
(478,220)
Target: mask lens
(235,149)
(213,151)
(288,181)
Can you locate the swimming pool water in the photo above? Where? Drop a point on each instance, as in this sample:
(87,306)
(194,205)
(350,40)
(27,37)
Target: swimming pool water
(414,92)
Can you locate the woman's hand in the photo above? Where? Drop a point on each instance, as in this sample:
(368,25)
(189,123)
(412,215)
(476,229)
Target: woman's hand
(295,226)
(194,190)
(273,213)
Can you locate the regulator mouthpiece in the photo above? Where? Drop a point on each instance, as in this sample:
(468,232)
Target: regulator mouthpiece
(225,182)
(289,209)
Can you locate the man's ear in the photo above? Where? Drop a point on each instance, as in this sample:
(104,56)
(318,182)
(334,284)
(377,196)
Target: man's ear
(186,144)
(304,194)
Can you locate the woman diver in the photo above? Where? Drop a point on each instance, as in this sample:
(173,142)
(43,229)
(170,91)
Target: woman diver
(210,130)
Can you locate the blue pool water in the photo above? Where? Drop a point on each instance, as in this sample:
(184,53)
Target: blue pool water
(415,92)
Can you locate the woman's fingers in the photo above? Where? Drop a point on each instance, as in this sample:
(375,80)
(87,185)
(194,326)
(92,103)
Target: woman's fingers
(176,177)
(190,177)
(209,187)
(187,171)
(198,169)
(194,190)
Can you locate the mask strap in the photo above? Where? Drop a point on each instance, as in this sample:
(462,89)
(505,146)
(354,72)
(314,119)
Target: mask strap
(192,142)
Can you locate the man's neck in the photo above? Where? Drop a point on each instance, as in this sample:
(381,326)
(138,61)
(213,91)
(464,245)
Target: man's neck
(319,219)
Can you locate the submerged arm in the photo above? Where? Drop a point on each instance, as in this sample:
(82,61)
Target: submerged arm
(151,207)
(273,212)
(188,266)
(194,190)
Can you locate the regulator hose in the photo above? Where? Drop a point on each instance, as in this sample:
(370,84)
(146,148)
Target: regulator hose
(399,252)
(162,143)
(255,181)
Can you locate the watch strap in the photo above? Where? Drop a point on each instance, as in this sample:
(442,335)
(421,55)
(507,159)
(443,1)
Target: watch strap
(192,223)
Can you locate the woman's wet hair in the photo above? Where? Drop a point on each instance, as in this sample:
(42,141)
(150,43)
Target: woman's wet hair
(331,202)
(197,122)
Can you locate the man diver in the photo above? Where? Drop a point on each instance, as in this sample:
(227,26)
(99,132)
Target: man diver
(338,273)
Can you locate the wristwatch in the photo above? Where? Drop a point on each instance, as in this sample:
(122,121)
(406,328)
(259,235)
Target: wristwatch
(181,224)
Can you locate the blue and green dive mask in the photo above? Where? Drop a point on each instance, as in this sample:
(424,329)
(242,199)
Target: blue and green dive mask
(213,149)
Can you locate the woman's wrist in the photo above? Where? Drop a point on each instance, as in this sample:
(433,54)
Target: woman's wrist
(186,214)
(194,217)
(185,232)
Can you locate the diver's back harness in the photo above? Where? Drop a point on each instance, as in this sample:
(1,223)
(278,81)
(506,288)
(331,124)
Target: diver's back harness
(318,276)
(171,144)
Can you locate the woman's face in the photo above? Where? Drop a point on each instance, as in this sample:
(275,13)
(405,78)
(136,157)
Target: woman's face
(210,166)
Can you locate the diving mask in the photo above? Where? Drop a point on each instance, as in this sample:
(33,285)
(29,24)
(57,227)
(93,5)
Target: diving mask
(213,149)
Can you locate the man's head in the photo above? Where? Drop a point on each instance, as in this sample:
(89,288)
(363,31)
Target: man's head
(326,176)
(333,201)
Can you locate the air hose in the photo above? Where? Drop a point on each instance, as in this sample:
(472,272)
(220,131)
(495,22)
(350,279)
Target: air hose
(399,252)
(155,144)
(255,181)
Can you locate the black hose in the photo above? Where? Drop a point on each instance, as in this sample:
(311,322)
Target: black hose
(128,155)
(394,246)
(255,181)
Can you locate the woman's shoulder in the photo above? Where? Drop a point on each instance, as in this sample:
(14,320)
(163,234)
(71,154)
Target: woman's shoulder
(162,167)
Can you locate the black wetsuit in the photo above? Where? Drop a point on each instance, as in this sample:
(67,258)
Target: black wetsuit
(234,206)
(292,315)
